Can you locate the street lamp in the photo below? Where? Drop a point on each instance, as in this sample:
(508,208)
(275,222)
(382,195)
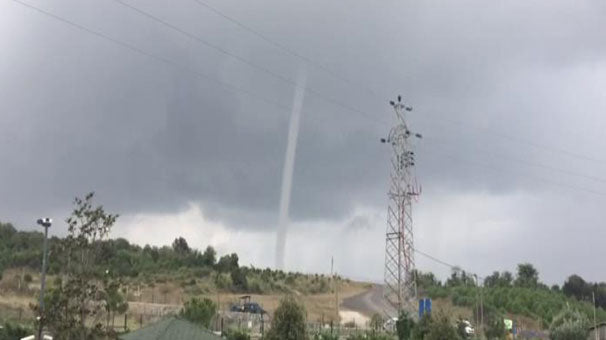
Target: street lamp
(45,223)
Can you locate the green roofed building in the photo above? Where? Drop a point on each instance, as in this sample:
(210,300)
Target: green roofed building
(172,328)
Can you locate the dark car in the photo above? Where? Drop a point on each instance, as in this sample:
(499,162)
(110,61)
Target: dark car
(253,307)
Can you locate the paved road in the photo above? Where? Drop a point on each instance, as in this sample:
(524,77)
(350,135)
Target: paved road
(368,302)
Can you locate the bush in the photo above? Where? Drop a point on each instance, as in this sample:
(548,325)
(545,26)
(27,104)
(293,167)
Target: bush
(199,311)
(13,332)
(441,329)
(288,322)
(569,325)
(404,326)
(234,334)
(326,336)
(495,329)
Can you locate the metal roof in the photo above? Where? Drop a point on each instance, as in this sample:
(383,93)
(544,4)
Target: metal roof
(171,328)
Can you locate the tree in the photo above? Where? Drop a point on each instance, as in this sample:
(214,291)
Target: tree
(376,322)
(238,280)
(506,279)
(180,246)
(459,277)
(210,256)
(13,332)
(288,322)
(404,326)
(495,329)
(569,325)
(577,287)
(528,276)
(421,329)
(114,300)
(75,300)
(199,311)
(234,334)
(227,263)
(441,328)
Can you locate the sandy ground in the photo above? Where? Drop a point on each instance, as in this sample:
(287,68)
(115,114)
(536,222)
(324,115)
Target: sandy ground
(348,316)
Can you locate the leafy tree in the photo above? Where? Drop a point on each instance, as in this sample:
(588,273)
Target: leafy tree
(376,322)
(227,263)
(236,335)
(441,328)
(569,325)
(459,277)
(577,287)
(288,322)
(210,256)
(497,279)
(13,332)
(421,329)
(199,311)
(495,329)
(115,303)
(404,326)
(238,279)
(180,246)
(528,276)
(426,280)
(73,305)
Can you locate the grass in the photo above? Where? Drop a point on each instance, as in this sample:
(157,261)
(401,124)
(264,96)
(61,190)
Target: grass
(151,297)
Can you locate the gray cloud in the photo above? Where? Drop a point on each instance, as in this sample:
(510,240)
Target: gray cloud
(79,113)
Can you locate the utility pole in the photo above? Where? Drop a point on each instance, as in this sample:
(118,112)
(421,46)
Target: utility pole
(400,286)
(335,286)
(595,323)
(46,223)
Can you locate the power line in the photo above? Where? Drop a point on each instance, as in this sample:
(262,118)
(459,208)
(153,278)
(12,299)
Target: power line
(444,263)
(535,178)
(161,59)
(286,49)
(521,140)
(226,85)
(532,164)
(245,61)
(167,61)
(336,75)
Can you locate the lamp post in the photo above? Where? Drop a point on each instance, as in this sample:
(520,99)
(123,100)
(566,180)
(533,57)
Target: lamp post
(45,223)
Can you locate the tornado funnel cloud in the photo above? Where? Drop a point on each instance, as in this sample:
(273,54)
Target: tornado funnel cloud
(289,164)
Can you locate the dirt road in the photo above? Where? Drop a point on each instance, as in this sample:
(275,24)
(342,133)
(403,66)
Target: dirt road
(368,302)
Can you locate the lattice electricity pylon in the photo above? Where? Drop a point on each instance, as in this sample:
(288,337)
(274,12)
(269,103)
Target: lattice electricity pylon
(400,285)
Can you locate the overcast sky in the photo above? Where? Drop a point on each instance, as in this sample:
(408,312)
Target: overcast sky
(184,133)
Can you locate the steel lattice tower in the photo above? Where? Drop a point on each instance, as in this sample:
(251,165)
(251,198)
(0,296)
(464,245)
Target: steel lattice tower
(400,290)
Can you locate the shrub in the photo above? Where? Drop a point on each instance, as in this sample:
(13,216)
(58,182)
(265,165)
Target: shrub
(234,334)
(441,329)
(288,322)
(569,325)
(199,311)
(404,326)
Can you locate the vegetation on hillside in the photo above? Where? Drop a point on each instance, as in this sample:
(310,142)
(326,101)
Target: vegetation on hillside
(506,294)
(91,275)
(150,264)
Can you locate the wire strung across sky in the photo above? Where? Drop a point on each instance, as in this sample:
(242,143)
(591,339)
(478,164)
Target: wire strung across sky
(293,83)
(336,75)
(446,264)
(277,104)
(247,62)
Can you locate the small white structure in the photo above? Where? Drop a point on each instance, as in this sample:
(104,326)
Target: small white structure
(33,337)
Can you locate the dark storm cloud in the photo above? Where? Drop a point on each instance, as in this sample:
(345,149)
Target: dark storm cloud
(80,113)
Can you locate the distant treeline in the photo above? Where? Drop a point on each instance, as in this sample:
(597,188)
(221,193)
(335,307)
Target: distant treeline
(520,294)
(20,249)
